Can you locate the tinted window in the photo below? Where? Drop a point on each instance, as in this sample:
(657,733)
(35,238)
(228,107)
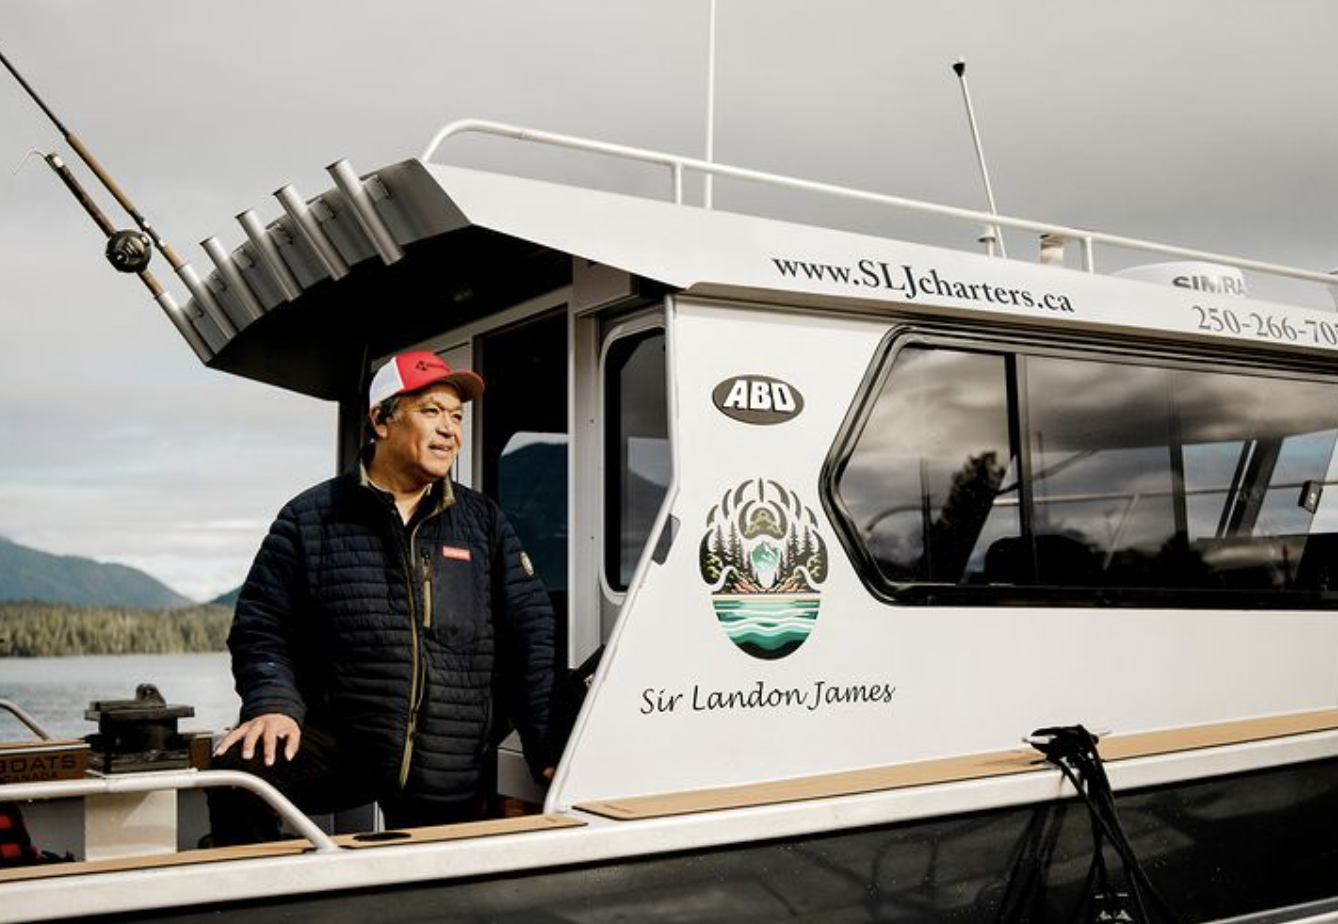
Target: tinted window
(991,469)
(925,476)
(636,445)
(1102,475)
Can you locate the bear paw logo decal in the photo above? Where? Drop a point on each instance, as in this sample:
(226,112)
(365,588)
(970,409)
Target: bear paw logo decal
(763,559)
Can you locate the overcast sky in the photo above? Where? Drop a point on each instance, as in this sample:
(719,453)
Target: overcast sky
(1208,124)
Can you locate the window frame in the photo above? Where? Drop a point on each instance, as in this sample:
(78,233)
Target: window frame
(1091,348)
(637,327)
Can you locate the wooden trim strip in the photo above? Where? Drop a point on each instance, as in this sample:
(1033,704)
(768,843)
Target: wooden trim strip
(827,785)
(473,829)
(153,861)
(492,827)
(954,769)
(1170,741)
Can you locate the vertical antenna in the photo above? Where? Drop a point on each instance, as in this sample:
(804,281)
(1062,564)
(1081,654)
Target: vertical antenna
(710,105)
(959,68)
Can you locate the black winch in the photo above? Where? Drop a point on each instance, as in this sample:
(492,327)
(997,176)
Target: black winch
(138,734)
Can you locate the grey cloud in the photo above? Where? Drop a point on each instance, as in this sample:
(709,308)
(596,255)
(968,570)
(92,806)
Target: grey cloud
(1194,122)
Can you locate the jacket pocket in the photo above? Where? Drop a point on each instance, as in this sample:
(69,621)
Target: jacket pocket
(459,595)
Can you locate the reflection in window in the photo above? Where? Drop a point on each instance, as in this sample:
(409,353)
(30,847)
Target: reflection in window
(523,458)
(1102,478)
(636,446)
(924,478)
(532,489)
(1248,475)
(1017,469)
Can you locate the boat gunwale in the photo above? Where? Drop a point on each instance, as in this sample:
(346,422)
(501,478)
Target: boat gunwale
(1135,761)
(957,769)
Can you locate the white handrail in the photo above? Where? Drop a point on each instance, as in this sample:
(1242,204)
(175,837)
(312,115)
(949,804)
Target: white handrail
(17,712)
(174,780)
(677,164)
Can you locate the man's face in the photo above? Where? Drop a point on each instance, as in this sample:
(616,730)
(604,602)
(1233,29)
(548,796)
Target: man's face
(419,444)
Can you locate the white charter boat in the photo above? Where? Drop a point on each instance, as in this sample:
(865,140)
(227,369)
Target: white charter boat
(844,519)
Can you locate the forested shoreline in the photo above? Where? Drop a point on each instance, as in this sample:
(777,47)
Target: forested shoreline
(45,630)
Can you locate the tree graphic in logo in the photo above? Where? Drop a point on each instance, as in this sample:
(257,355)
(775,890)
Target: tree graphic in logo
(763,558)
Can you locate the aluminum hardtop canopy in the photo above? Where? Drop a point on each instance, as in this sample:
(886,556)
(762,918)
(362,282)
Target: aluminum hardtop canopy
(344,304)
(416,248)
(468,243)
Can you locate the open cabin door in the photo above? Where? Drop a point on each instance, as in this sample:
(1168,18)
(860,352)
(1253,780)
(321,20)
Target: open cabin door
(621,460)
(637,464)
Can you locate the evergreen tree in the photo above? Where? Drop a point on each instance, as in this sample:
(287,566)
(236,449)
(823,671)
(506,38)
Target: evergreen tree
(29,629)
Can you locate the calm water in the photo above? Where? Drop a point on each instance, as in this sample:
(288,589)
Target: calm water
(56,691)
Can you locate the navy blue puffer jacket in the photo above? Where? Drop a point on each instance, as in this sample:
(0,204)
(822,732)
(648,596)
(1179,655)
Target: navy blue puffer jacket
(400,639)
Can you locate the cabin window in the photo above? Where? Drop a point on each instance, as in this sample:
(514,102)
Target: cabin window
(1018,474)
(636,445)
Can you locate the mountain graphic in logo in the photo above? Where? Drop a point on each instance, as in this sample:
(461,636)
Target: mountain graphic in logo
(763,559)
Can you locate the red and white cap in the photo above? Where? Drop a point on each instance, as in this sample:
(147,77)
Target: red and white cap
(418,369)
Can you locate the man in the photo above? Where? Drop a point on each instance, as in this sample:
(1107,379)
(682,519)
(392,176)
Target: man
(389,621)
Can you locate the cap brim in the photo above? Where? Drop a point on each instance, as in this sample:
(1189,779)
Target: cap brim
(467,383)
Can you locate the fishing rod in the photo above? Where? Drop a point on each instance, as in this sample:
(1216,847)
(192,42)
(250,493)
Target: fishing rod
(129,251)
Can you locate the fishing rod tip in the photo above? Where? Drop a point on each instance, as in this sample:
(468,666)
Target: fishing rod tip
(27,157)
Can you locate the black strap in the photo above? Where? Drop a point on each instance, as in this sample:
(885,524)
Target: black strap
(1073,749)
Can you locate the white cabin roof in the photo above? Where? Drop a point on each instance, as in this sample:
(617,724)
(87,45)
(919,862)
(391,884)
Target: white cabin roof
(423,246)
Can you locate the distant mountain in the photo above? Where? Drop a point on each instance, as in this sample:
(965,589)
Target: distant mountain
(532,489)
(227,599)
(27,574)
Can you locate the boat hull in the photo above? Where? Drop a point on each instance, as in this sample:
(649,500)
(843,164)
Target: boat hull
(1261,844)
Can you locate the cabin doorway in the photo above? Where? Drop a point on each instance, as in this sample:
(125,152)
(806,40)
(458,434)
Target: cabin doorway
(522,459)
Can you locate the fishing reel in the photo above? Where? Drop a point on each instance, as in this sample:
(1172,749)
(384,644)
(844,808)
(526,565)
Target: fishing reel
(129,251)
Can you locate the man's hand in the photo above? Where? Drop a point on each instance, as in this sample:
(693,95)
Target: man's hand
(267,729)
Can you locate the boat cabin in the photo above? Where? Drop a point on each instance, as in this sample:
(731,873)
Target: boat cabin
(825,500)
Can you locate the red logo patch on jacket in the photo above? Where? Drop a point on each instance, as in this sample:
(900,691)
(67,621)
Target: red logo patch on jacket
(454,554)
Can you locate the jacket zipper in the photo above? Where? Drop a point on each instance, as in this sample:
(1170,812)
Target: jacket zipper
(426,558)
(418,684)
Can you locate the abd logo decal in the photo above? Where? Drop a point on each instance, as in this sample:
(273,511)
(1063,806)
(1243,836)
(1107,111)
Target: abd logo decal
(763,559)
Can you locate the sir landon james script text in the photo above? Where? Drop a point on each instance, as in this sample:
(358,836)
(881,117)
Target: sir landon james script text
(762,696)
